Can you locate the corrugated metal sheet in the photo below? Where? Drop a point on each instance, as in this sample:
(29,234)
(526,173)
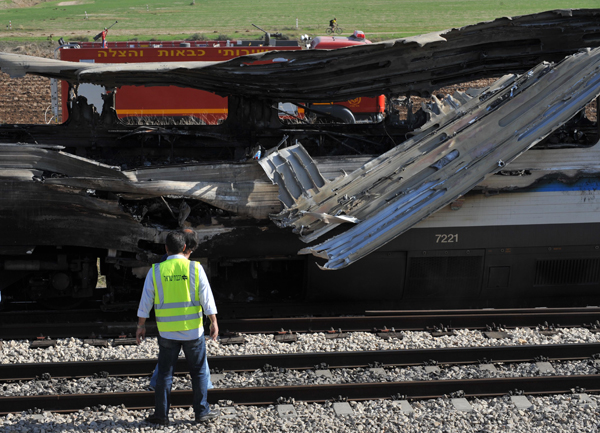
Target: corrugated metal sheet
(295,172)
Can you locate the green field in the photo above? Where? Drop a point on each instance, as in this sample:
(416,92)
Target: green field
(161,19)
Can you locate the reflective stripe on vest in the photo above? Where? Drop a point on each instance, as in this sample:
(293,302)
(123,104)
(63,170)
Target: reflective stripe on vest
(176,295)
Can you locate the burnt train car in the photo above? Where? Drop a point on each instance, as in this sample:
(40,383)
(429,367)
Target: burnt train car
(483,198)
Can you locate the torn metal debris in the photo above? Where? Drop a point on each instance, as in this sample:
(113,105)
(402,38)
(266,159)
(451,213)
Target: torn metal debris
(399,188)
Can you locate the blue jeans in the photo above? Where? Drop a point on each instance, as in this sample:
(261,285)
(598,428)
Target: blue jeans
(209,384)
(195,354)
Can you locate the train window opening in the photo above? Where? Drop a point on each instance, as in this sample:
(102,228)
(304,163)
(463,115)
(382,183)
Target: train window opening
(148,106)
(165,105)
(357,110)
(169,106)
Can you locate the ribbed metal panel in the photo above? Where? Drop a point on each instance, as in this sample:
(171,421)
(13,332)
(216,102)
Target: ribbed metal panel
(567,272)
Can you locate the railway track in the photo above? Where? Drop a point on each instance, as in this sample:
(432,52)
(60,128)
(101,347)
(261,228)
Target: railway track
(370,321)
(405,357)
(486,387)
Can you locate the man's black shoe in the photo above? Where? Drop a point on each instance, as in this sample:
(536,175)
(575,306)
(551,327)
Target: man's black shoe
(207,417)
(155,420)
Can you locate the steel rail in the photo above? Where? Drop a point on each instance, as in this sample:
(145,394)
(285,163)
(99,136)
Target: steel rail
(409,321)
(469,311)
(427,389)
(415,322)
(403,357)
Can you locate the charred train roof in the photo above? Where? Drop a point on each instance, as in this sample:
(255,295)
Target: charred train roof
(417,64)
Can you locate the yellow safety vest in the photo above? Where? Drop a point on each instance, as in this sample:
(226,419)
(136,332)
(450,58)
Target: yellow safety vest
(177,295)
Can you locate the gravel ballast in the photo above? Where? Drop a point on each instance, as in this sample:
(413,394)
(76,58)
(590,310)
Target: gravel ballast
(547,414)
(259,378)
(72,349)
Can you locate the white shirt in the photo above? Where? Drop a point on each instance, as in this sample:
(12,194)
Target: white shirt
(206,300)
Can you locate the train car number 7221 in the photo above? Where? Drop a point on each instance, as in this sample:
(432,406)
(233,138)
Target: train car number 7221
(446,238)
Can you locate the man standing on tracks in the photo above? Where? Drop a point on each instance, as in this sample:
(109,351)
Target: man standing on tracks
(180,293)
(191,243)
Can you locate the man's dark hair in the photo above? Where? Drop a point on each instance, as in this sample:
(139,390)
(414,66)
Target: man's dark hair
(175,242)
(191,240)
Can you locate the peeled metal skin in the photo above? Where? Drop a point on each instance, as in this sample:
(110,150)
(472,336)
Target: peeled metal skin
(399,188)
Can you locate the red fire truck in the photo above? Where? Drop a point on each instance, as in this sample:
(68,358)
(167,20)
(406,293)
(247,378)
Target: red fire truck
(178,102)
(161,101)
(361,108)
